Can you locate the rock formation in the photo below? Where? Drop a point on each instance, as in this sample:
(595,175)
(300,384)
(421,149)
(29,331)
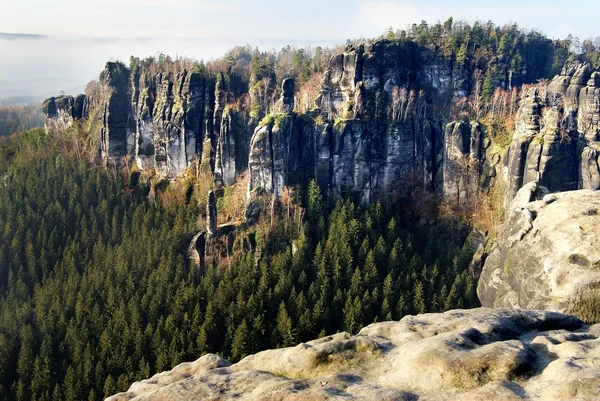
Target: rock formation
(547,254)
(377,128)
(287,95)
(374,132)
(470,161)
(211,214)
(62,111)
(479,354)
(360,141)
(375,125)
(557,134)
(160,120)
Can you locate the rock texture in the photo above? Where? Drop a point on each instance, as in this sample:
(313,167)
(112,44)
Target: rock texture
(378,126)
(557,135)
(547,255)
(61,111)
(162,121)
(374,128)
(479,354)
(470,161)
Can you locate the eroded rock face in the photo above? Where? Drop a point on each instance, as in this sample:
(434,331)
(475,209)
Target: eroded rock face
(168,121)
(287,95)
(479,354)
(547,255)
(158,120)
(117,132)
(466,166)
(376,133)
(557,134)
(60,112)
(363,81)
(363,159)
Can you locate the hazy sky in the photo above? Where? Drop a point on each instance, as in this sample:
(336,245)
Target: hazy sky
(31,69)
(307,19)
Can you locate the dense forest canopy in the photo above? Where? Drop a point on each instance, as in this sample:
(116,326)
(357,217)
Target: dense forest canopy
(20,118)
(478,45)
(96,291)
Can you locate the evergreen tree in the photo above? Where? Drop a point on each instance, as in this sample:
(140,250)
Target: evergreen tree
(284,327)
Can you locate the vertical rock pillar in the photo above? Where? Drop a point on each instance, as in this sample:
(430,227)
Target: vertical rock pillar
(211,215)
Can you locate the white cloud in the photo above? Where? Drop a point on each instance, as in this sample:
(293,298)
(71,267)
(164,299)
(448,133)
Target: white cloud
(377,15)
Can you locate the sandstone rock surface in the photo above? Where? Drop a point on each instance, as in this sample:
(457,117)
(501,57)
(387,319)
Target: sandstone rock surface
(557,134)
(60,112)
(547,255)
(479,354)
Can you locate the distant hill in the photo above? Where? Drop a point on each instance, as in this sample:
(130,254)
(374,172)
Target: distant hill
(20,36)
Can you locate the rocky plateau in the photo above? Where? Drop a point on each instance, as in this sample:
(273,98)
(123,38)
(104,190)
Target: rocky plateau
(478,354)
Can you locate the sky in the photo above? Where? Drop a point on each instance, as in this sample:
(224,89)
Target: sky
(260,19)
(84,34)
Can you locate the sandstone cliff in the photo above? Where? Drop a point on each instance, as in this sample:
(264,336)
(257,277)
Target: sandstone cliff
(376,130)
(479,354)
(61,111)
(378,127)
(557,135)
(547,255)
(378,123)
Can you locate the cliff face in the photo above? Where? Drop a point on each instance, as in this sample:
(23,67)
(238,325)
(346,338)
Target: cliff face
(376,131)
(479,354)
(62,111)
(377,128)
(159,120)
(155,119)
(557,134)
(546,255)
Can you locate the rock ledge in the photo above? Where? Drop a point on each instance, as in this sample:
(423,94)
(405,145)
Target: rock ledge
(479,354)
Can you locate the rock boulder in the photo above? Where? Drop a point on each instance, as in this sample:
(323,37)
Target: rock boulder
(547,255)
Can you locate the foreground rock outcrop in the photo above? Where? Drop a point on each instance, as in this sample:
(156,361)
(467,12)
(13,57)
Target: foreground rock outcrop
(547,255)
(479,354)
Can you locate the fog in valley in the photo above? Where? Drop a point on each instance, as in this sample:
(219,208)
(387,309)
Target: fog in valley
(35,67)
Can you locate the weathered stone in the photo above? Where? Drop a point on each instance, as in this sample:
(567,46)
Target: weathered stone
(60,112)
(225,158)
(211,214)
(196,251)
(590,169)
(588,116)
(287,95)
(155,119)
(115,102)
(546,255)
(260,161)
(457,163)
(466,167)
(364,159)
(480,354)
(529,193)
(547,145)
